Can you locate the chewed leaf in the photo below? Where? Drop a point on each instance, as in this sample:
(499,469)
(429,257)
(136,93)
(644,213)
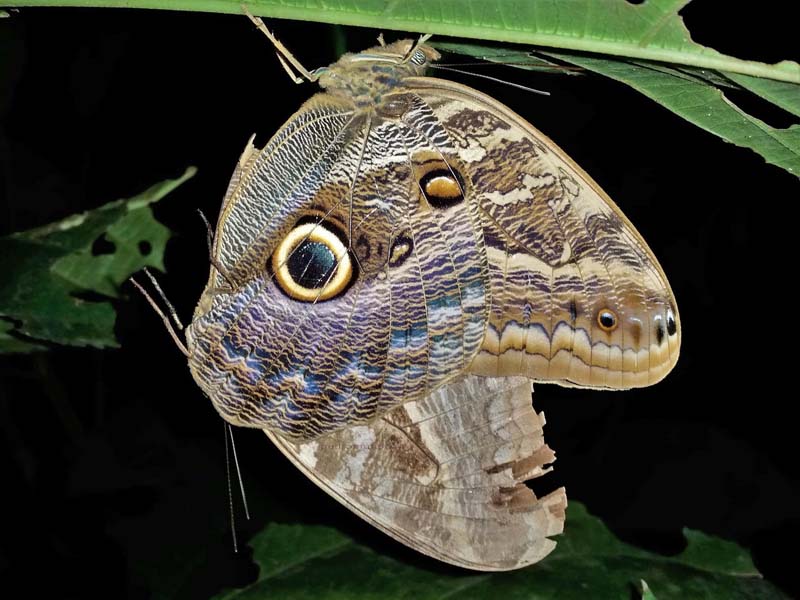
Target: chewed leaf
(692,95)
(48,271)
(304,561)
(710,109)
(134,239)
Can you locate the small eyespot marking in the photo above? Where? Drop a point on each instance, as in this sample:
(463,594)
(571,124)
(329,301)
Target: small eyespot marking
(607,319)
(362,248)
(442,188)
(672,326)
(400,250)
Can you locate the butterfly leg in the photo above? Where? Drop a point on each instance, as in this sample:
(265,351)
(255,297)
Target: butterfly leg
(283,53)
(210,242)
(175,338)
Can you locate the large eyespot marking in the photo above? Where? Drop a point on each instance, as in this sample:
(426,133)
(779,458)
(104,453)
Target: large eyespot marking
(607,319)
(442,187)
(312,263)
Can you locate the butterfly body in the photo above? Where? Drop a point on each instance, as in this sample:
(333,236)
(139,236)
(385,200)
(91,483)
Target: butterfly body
(400,239)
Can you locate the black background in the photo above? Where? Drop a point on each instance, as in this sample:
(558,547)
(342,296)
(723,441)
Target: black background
(114,473)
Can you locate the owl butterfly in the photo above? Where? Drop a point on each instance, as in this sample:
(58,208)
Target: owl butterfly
(389,275)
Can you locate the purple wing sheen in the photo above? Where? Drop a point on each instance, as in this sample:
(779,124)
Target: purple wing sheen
(413,315)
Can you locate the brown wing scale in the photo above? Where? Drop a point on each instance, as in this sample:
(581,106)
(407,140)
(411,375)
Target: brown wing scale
(445,474)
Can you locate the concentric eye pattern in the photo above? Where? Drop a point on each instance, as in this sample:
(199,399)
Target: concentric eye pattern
(607,319)
(312,263)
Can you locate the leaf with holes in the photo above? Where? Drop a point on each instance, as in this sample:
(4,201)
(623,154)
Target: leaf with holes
(47,270)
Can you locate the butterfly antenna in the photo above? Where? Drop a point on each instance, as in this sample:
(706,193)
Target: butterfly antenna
(210,243)
(495,79)
(238,472)
(286,58)
(541,65)
(225,427)
(167,323)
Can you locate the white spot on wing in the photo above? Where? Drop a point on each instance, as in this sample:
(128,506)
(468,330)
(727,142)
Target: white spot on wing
(308,454)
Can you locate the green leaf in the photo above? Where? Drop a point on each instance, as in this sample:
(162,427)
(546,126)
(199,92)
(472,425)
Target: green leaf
(663,62)
(692,95)
(782,94)
(647,593)
(47,268)
(10,344)
(712,554)
(311,561)
(708,107)
(651,30)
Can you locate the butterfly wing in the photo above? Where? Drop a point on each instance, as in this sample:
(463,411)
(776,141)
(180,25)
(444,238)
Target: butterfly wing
(444,474)
(412,314)
(577,296)
(443,471)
